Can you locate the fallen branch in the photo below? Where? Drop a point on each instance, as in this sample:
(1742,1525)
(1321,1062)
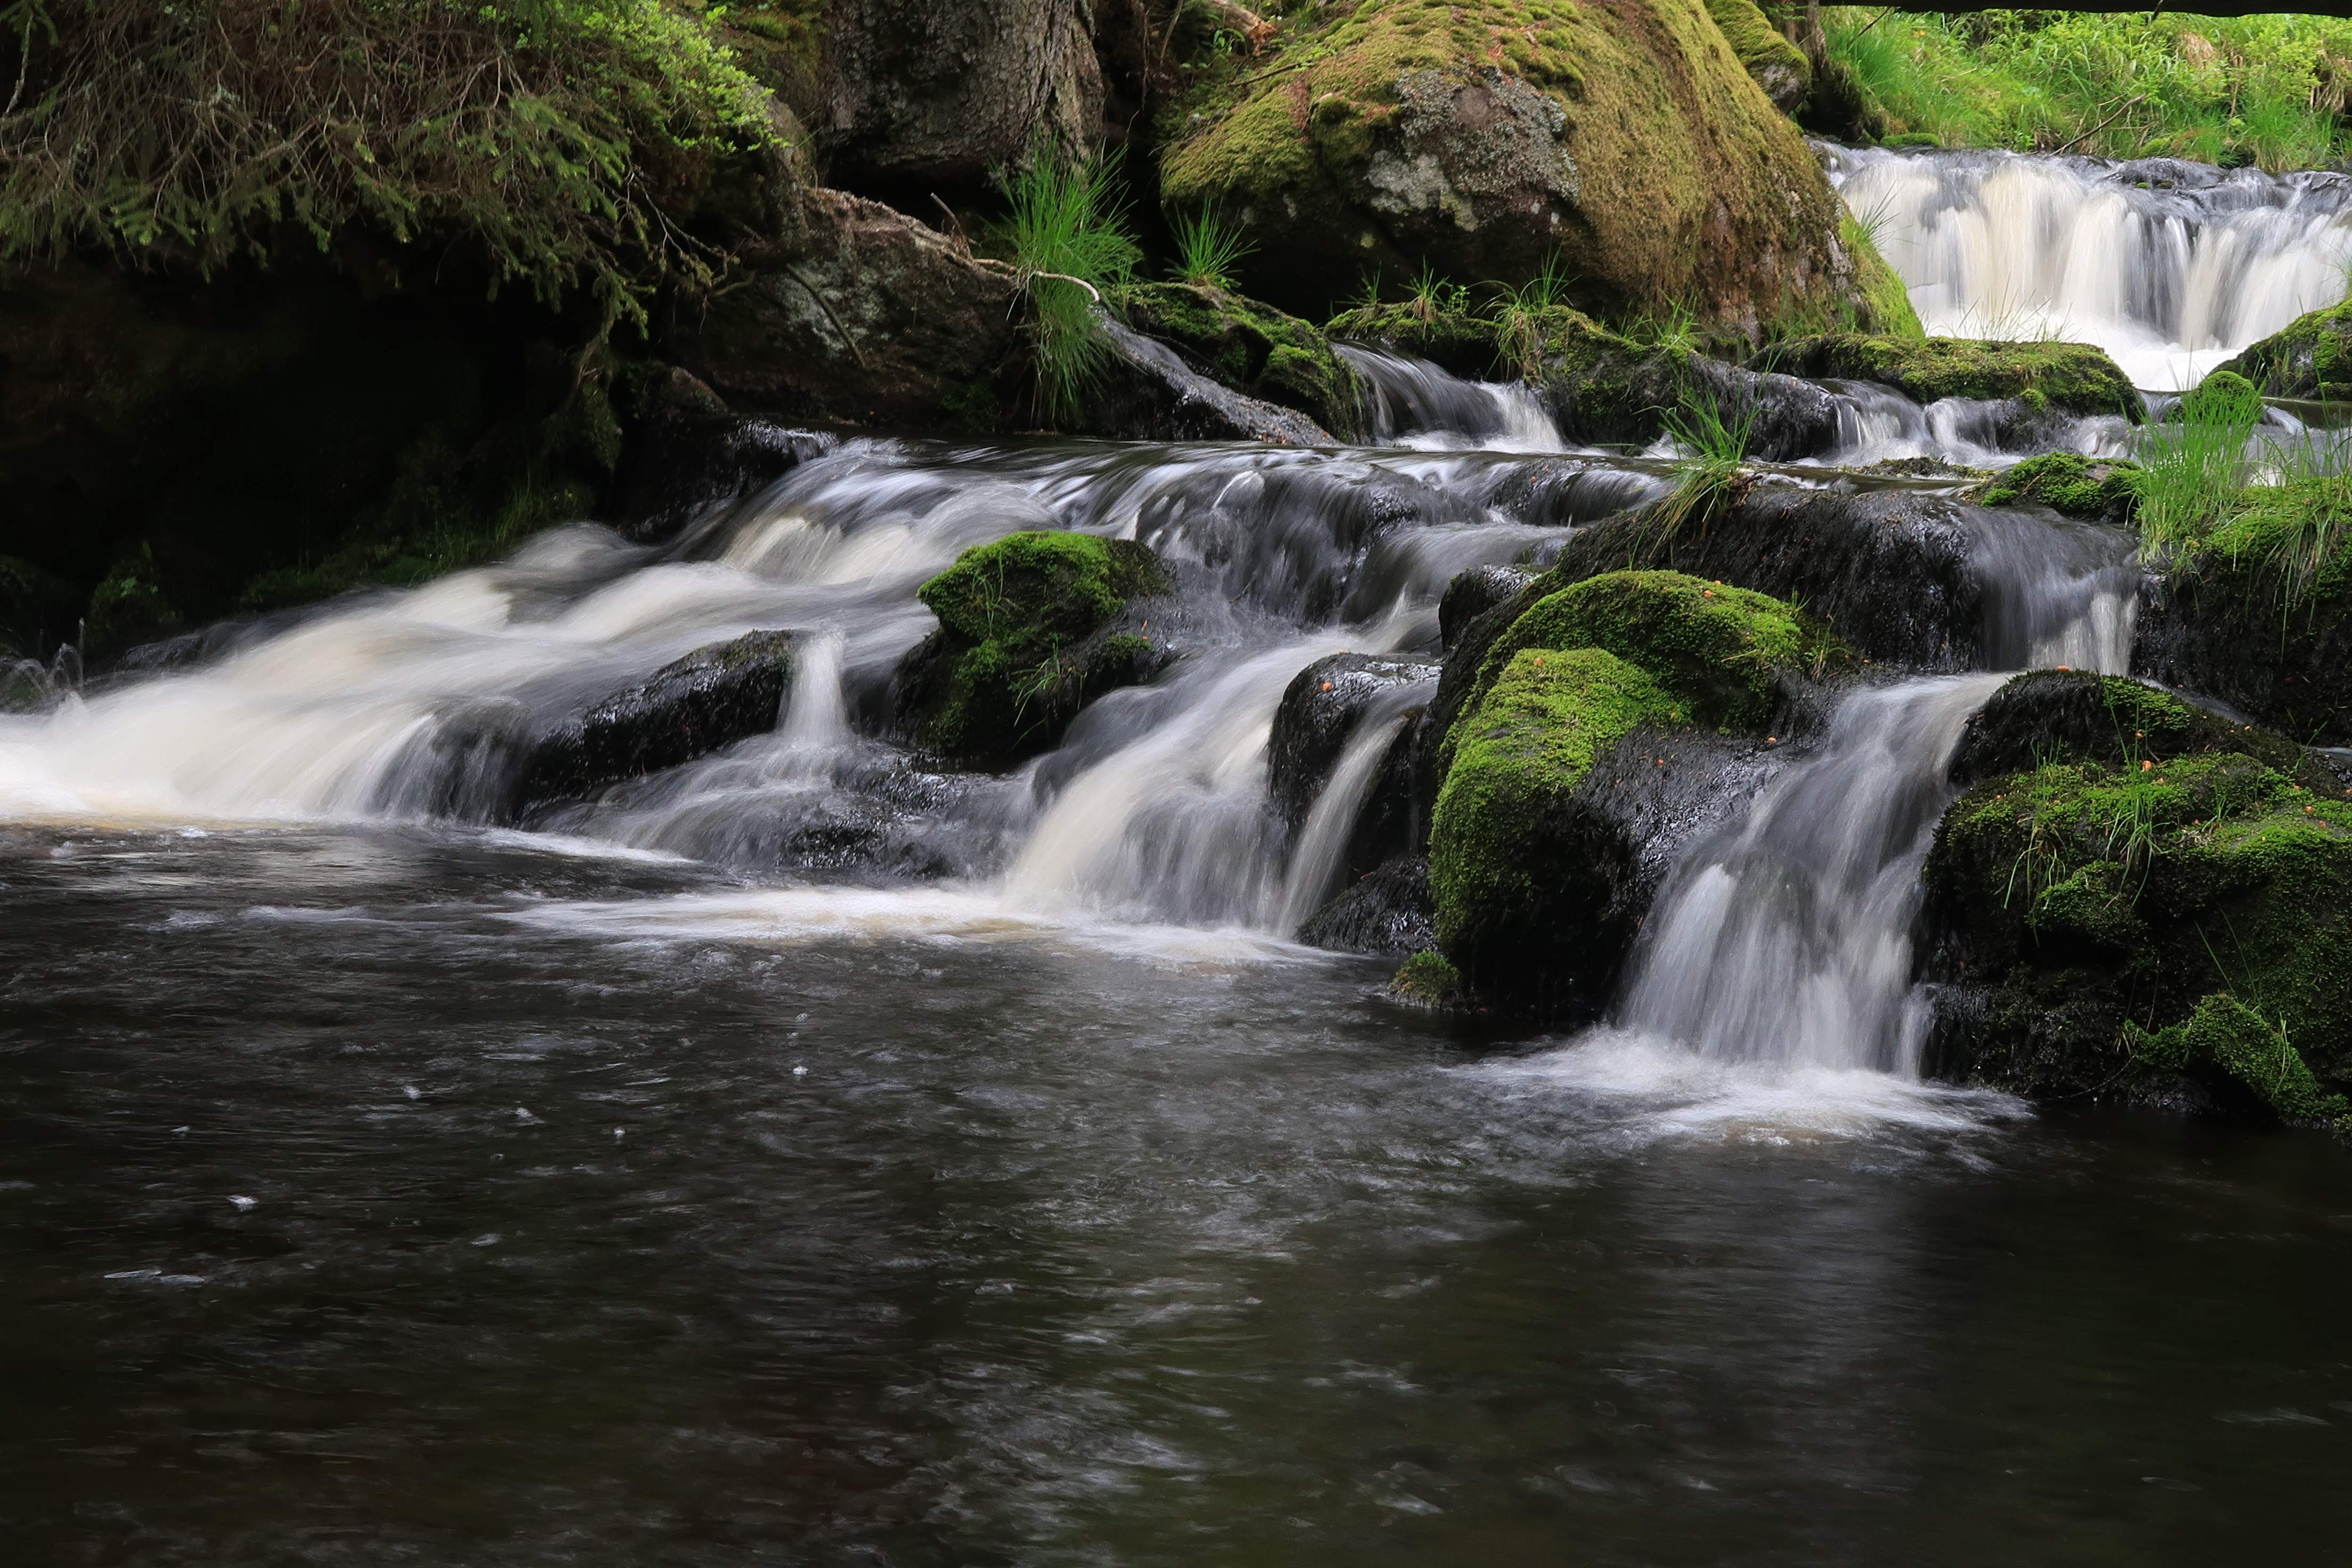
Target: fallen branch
(2110,120)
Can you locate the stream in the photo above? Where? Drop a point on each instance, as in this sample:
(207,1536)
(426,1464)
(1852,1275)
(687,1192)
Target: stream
(807,1154)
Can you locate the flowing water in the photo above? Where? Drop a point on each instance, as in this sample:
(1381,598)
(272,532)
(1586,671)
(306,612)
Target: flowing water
(806,1154)
(2172,267)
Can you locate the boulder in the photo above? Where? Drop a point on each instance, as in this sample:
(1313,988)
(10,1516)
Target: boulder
(2176,932)
(1031,631)
(1387,910)
(1778,66)
(1484,139)
(2062,378)
(2311,358)
(1474,592)
(1144,390)
(1596,732)
(1321,712)
(712,698)
(2045,715)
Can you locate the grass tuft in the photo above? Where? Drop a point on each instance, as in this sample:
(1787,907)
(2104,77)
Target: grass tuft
(1067,225)
(1207,249)
(2195,466)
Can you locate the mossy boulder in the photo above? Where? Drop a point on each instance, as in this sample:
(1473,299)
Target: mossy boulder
(1252,347)
(2070,484)
(1426,980)
(1483,139)
(1884,307)
(1521,865)
(2259,614)
(1031,629)
(1726,653)
(1546,817)
(2063,378)
(1778,66)
(2081,917)
(2311,358)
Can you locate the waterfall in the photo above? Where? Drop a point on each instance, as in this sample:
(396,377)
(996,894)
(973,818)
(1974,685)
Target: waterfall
(2172,266)
(1784,938)
(1320,854)
(1415,403)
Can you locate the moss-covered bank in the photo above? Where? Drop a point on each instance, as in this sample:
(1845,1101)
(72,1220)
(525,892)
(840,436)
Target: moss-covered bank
(2068,378)
(2310,358)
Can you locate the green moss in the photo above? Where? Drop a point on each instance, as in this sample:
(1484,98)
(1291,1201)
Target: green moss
(1023,645)
(1677,179)
(2242,1043)
(1524,749)
(1778,66)
(1250,347)
(2073,378)
(1427,979)
(2069,483)
(2156,885)
(2284,548)
(1459,340)
(2310,358)
(1725,651)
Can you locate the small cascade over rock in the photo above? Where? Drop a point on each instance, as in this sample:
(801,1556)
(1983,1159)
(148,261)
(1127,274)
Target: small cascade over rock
(1412,403)
(2172,266)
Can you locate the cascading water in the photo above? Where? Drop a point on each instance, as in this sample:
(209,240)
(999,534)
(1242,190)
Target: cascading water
(2172,266)
(1784,939)
(1412,403)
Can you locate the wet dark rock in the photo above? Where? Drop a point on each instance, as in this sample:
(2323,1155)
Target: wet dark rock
(712,698)
(1386,911)
(2222,632)
(1147,393)
(1249,348)
(689,457)
(1474,592)
(1321,712)
(1626,395)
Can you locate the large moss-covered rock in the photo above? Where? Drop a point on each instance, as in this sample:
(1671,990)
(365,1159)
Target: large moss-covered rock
(2173,931)
(1519,864)
(1252,347)
(1583,749)
(2065,378)
(1484,138)
(2259,614)
(2310,358)
(1030,632)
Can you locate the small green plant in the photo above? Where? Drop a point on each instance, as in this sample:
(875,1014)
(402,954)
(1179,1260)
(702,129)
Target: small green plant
(1518,314)
(2194,466)
(1433,296)
(1207,248)
(1674,328)
(1709,465)
(1067,228)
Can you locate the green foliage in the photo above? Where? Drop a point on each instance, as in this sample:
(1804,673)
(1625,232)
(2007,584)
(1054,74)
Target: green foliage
(1520,314)
(2261,89)
(546,135)
(1066,227)
(1207,249)
(2194,466)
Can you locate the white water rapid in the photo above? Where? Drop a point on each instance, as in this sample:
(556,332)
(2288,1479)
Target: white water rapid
(2172,267)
